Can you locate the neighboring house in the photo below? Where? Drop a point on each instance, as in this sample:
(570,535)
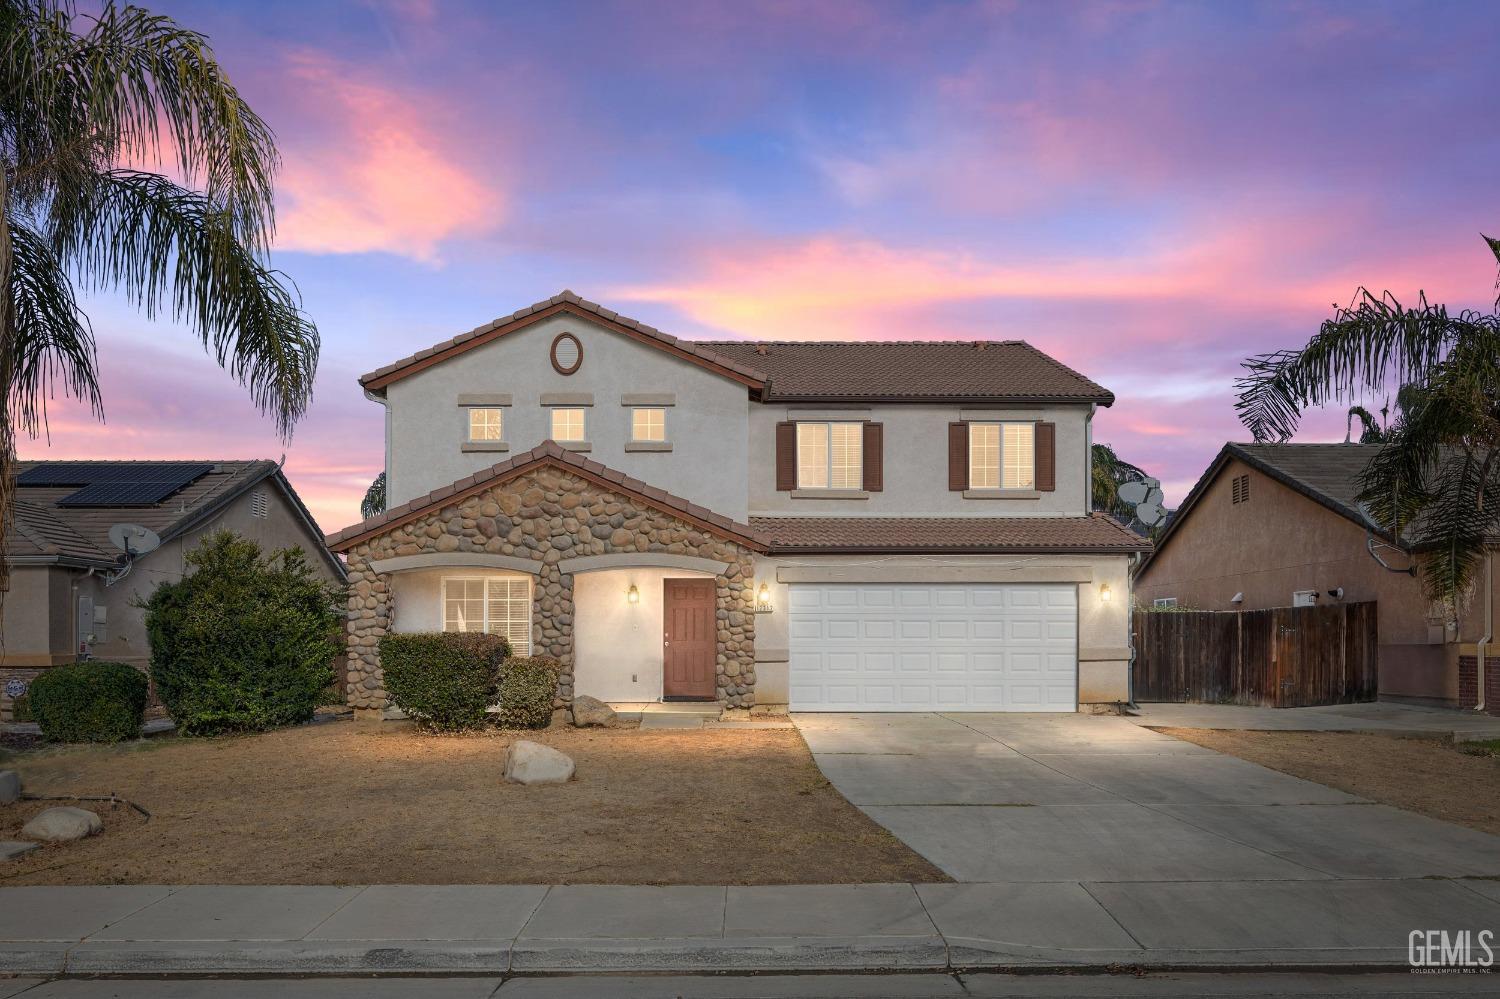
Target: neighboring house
(838,526)
(74,592)
(1277,525)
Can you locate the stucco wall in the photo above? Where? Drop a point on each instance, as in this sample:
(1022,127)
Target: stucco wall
(916,463)
(1103,625)
(1281,541)
(37,617)
(617,644)
(707,426)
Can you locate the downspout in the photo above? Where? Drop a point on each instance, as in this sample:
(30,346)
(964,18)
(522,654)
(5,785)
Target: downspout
(1489,628)
(1135,560)
(1088,460)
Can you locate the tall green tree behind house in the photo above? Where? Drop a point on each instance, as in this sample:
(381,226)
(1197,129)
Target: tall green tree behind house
(1110,472)
(1439,468)
(84,101)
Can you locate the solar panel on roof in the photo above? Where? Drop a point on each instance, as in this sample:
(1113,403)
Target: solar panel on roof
(135,484)
(55,474)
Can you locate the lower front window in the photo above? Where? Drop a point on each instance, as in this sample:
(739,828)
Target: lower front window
(497,605)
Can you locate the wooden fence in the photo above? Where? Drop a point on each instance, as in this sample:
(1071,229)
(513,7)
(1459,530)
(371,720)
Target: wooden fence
(1285,657)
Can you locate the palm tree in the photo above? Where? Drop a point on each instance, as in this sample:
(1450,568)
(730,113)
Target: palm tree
(374,501)
(1439,467)
(81,99)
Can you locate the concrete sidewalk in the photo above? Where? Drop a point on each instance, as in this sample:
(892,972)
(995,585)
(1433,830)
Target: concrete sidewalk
(1338,925)
(1380,717)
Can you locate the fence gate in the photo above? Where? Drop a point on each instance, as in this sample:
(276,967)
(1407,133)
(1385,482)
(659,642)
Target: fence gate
(1284,657)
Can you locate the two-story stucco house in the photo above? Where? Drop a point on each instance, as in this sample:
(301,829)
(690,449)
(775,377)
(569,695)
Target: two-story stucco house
(833,526)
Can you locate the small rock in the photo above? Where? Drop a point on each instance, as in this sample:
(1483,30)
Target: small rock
(59,825)
(533,763)
(10,787)
(393,713)
(592,711)
(11,849)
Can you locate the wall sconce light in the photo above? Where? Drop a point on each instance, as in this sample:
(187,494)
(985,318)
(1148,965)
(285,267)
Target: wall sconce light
(1104,592)
(633,595)
(763,599)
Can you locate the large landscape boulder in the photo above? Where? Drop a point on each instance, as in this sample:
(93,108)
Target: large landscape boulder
(59,825)
(592,711)
(10,787)
(533,763)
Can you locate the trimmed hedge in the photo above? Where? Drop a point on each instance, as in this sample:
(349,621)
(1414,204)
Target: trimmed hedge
(527,688)
(247,642)
(443,680)
(91,701)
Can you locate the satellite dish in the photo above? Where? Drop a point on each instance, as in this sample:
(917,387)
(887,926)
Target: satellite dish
(1146,496)
(133,539)
(1150,514)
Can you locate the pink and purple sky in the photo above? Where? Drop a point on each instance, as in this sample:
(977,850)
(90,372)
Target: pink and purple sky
(1150,191)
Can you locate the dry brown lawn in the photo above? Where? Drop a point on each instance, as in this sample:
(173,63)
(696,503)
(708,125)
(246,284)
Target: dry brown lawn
(359,803)
(1428,776)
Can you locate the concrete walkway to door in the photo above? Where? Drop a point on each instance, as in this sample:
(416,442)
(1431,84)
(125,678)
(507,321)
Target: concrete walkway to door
(1381,717)
(1083,798)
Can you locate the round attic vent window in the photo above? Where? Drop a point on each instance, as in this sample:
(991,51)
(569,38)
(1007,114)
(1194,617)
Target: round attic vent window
(567,353)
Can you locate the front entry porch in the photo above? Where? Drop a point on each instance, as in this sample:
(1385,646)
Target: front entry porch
(639,596)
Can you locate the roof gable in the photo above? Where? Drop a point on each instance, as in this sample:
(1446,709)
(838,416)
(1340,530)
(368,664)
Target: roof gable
(549,452)
(564,302)
(1327,474)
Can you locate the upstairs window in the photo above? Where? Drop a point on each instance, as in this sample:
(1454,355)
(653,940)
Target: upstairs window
(830,455)
(648,424)
(496,605)
(568,425)
(1002,456)
(486,424)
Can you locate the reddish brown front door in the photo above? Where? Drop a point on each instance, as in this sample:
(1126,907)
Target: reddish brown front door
(689,639)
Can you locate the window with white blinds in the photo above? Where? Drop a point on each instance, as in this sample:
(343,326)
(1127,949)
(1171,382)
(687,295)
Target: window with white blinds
(1002,456)
(499,605)
(830,455)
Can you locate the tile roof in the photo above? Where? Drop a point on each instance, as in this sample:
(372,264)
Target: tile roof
(1096,533)
(1327,474)
(787,370)
(44,531)
(912,371)
(548,452)
(564,300)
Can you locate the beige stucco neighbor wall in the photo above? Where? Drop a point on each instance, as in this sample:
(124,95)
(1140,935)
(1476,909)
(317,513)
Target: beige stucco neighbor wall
(1103,625)
(548,515)
(1281,541)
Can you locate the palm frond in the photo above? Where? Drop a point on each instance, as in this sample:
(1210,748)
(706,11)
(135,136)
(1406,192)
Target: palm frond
(175,251)
(51,345)
(138,88)
(374,501)
(1364,347)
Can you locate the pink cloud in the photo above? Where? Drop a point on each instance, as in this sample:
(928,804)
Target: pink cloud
(369,171)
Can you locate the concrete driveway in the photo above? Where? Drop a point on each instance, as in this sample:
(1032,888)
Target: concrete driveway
(1085,798)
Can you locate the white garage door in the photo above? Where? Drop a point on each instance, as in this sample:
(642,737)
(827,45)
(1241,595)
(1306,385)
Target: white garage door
(971,647)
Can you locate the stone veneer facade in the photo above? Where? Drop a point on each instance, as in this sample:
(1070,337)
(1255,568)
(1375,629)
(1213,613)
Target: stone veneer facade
(549,514)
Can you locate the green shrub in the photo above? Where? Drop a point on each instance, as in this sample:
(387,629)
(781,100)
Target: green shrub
(527,687)
(246,642)
(89,702)
(443,680)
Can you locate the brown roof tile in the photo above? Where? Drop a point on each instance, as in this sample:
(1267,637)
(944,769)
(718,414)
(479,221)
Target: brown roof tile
(547,452)
(912,371)
(786,370)
(1097,533)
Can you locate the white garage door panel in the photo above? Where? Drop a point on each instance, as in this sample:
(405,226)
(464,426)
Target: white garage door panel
(996,647)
